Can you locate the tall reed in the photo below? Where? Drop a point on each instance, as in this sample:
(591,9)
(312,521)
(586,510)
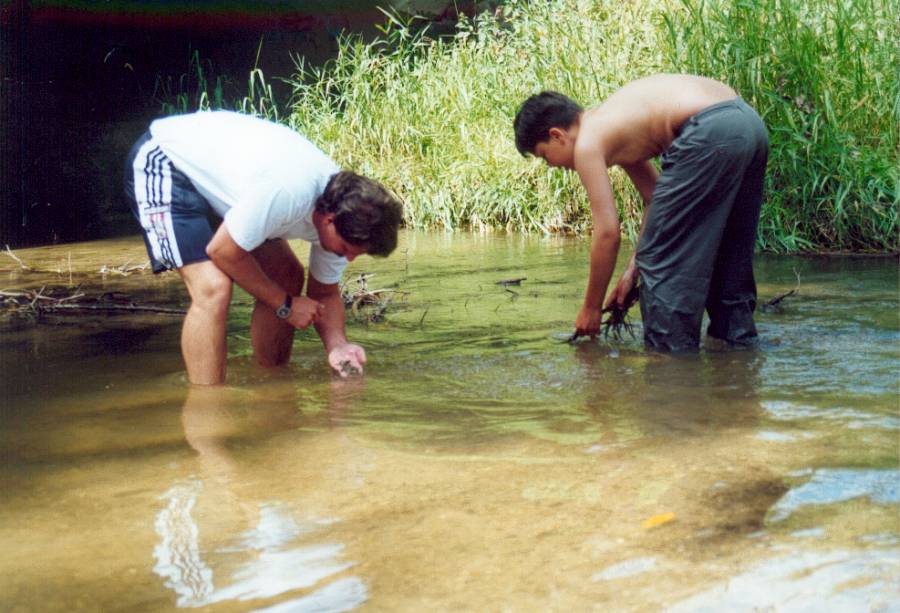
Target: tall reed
(200,89)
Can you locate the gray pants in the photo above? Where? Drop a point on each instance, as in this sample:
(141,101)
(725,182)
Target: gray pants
(696,251)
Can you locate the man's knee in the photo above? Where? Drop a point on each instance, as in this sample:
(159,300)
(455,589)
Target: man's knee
(212,294)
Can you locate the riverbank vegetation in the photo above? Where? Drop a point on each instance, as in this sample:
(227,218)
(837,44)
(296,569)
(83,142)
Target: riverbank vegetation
(432,117)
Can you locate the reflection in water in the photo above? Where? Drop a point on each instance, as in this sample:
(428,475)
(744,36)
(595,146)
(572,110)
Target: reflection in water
(178,553)
(272,557)
(641,395)
(336,597)
(627,568)
(808,581)
(853,418)
(830,486)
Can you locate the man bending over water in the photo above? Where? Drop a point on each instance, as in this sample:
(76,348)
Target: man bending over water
(268,184)
(696,242)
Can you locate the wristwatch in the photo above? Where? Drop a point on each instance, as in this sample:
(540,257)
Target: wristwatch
(284,311)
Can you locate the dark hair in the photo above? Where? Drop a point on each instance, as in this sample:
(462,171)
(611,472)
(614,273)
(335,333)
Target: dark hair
(365,213)
(540,113)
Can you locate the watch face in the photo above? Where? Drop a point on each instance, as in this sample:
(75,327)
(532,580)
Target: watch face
(283,311)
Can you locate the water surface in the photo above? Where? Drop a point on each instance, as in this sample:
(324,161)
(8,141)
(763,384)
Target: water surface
(479,465)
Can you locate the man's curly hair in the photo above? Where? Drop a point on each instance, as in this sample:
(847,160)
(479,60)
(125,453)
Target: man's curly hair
(366,214)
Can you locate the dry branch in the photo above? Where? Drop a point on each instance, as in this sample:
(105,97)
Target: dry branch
(34,303)
(22,264)
(356,295)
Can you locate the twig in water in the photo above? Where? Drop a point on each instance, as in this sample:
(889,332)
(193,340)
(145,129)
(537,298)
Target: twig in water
(35,303)
(124,269)
(22,264)
(773,305)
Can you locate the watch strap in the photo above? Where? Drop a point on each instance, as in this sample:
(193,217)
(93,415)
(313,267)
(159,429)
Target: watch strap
(284,311)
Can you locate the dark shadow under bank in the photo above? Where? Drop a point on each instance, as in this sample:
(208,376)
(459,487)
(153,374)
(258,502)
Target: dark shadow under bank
(79,85)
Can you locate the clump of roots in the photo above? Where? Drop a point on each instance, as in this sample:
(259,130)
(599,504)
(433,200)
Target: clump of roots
(368,304)
(616,322)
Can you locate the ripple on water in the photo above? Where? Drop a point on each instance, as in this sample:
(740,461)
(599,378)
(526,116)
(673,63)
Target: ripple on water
(785,410)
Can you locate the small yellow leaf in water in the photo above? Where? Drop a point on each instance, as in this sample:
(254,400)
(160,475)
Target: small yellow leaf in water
(658,520)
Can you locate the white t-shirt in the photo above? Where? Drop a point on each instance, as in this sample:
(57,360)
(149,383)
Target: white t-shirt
(262,177)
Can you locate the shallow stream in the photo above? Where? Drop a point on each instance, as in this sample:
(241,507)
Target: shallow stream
(480,464)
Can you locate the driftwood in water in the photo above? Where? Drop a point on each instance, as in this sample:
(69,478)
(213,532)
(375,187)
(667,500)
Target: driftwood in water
(34,303)
(365,303)
(774,305)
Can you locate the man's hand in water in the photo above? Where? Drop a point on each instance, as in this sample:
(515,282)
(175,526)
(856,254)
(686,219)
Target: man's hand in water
(347,359)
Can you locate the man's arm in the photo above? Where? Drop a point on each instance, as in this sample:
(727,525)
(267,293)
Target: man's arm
(591,167)
(343,356)
(244,270)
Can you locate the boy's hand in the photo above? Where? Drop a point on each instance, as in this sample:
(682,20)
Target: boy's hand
(619,295)
(347,359)
(588,322)
(305,311)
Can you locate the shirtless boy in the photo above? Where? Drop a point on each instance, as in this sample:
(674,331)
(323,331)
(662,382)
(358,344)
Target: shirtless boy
(268,184)
(696,242)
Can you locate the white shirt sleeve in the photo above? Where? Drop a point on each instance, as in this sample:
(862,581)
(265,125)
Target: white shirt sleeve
(325,266)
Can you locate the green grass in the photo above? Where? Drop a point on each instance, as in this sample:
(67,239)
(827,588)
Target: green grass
(432,117)
(824,75)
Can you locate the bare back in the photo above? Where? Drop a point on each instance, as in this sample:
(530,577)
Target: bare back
(640,120)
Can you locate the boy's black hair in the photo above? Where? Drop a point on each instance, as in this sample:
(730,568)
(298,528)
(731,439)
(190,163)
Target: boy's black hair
(366,214)
(540,113)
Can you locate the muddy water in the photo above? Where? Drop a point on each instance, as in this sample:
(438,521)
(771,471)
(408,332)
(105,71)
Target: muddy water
(480,465)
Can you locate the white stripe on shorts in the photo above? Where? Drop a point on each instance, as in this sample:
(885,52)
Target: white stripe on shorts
(153,194)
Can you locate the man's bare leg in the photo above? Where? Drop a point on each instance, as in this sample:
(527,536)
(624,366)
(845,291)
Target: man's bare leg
(273,338)
(203,343)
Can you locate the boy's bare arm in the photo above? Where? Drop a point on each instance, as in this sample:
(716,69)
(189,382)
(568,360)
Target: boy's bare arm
(644,176)
(591,167)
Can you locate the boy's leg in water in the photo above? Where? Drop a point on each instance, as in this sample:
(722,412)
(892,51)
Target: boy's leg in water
(732,293)
(702,172)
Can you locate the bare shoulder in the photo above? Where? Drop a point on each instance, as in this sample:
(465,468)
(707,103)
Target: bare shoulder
(640,120)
